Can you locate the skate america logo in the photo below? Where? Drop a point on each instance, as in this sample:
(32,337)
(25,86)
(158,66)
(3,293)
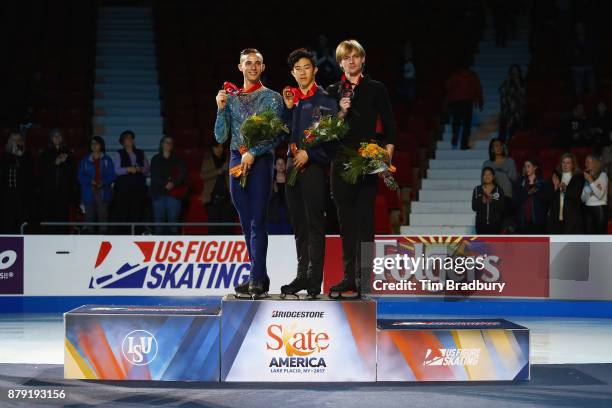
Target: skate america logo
(171,265)
(452,357)
(298,346)
(139,347)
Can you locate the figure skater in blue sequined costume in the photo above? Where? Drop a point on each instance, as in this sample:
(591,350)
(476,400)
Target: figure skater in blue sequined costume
(233,108)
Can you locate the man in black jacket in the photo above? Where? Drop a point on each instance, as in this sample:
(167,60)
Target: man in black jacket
(367,109)
(306,200)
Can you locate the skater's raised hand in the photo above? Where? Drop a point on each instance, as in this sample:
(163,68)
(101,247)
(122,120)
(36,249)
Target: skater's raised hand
(221,99)
(288,97)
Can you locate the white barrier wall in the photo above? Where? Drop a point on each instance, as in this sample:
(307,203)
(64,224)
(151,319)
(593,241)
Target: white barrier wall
(81,265)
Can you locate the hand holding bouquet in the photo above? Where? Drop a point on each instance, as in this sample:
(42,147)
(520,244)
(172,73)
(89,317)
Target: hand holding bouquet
(328,129)
(257,130)
(369,159)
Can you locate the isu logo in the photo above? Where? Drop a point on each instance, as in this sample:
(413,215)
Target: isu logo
(139,347)
(452,357)
(171,265)
(295,342)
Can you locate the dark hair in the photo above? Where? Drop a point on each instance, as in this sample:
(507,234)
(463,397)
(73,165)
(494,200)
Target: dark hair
(298,54)
(100,141)
(520,71)
(535,164)
(488,169)
(125,134)
(491,154)
(161,142)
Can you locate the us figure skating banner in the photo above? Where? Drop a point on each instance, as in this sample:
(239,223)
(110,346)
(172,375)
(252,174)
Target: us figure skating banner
(285,340)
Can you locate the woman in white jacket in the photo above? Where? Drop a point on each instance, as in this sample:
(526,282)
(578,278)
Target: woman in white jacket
(595,196)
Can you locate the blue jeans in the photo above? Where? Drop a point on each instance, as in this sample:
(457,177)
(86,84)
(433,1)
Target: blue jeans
(252,206)
(166,209)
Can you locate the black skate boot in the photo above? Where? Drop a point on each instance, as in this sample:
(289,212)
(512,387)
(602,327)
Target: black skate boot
(292,289)
(257,289)
(314,288)
(348,284)
(242,290)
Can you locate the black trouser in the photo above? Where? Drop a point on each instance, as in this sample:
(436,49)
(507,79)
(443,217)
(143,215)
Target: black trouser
(56,209)
(129,206)
(221,209)
(461,112)
(355,207)
(488,229)
(13,212)
(306,201)
(596,219)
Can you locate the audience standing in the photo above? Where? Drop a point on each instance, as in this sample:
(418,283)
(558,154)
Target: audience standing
(463,91)
(130,190)
(15,184)
(565,215)
(595,196)
(57,171)
(531,197)
(215,194)
(488,203)
(96,175)
(168,185)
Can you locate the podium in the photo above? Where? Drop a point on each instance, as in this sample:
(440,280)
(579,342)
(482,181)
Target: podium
(452,350)
(162,343)
(288,340)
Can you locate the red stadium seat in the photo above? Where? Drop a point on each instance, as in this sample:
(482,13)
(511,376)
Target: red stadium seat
(196,212)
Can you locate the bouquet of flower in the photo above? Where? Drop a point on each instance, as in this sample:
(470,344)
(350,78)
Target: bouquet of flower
(257,130)
(328,129)
(370,158)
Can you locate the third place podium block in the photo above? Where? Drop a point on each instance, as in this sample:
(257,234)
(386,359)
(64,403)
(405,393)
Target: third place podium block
(298,340)
(452,350)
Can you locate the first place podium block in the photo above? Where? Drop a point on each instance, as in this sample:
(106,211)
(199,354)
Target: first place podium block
(452,350)
(287,340)
(163,343)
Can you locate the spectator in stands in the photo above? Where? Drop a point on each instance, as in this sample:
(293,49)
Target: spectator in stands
(96,175)
(168,185)
(406,89)
(505,174)
(326,62)
(488,203)
(601,127)
(463,90)
(57,171)
(215,194)
(130,191)
(531,197)
(278,217)
(575,129)
(565,216)
(595,196)
(512,94)
(606,164)
(15,184)
(582,60)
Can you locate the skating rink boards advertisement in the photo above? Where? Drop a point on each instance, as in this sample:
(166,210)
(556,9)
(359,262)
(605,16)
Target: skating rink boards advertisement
(300,341)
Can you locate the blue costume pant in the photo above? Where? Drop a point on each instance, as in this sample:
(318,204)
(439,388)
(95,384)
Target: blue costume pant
(252,206)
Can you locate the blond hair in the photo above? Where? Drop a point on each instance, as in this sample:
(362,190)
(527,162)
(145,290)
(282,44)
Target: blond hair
(348,46)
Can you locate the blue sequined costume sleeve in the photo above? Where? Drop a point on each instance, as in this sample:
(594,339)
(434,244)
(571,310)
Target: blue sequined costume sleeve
(241,107)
